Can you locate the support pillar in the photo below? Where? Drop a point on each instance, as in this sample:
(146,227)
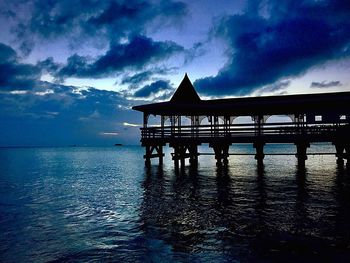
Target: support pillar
(175,157)
(339,147)
(176,163)
(179,154)
(225,155)
(161,155)
(342,142)
(218,155)
(193,150)
(221,152)
(259,155)
(301,152)
(147,156)
(153,151)
(182,157)
(347,154)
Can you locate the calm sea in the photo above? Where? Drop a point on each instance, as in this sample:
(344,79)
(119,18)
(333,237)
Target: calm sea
(101,204)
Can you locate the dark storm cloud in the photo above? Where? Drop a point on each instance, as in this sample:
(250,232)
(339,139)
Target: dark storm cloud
(106,21)
(325,84)
(135,54)
(274,39)
(119,14)
(7,54)
(154,88)
(13,74)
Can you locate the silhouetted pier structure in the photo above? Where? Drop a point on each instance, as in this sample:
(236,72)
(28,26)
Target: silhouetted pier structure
(314,118)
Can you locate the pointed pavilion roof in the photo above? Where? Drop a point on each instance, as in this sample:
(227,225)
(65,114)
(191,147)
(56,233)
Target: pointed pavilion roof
(185,93)
(186,102)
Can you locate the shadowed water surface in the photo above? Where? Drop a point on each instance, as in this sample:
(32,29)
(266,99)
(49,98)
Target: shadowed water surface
(93,204)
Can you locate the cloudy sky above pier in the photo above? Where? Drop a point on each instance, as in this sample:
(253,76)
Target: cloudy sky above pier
(70,71)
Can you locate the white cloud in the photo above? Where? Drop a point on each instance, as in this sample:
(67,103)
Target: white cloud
(131,124)
(109,133)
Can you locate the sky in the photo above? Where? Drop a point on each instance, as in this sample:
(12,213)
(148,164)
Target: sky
(70,71)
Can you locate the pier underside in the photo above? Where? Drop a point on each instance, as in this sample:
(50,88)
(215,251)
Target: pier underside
(185,140)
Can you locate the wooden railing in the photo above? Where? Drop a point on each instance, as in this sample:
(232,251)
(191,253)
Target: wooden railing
(240,130)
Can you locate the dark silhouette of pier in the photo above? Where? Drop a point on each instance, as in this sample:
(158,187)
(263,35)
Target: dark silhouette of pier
(186,121)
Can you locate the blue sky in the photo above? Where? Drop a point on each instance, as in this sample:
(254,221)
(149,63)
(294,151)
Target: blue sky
(70,71)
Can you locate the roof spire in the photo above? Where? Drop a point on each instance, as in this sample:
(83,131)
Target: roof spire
(185,93)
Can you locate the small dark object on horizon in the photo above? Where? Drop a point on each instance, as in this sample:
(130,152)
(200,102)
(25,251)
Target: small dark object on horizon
(118,144)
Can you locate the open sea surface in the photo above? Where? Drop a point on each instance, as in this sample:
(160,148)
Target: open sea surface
(85,204)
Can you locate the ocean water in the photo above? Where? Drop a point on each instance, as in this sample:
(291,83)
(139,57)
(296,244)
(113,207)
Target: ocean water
(102,204)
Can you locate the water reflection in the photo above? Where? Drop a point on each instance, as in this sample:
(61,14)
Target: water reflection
(224,214)
(301,213)
(342,195)
(224,187)
(261,197)
(82,204)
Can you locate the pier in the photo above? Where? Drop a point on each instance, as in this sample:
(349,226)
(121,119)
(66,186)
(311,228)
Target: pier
(187,121)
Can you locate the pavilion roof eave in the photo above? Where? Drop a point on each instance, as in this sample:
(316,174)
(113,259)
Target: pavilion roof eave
(288,104)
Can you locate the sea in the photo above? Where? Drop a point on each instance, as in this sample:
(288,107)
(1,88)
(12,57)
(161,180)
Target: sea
(94,204)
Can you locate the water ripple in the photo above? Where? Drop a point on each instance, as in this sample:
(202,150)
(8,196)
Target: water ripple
(95,204)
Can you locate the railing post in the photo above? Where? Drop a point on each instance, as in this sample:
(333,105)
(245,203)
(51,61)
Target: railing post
(210,118)
(258,122)
(216,131)
(145,119)
(299,118)
(162,121)
(172,123)
(226,123)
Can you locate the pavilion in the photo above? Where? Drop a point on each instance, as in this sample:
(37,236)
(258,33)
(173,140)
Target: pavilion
(320,117)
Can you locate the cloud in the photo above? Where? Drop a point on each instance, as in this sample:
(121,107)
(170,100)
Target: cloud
(272,40)
(195,51)
(96,21)
(131,124)
(136,79)
(48,65)
(109,133)
(135,54)
(13,74)
(325,84)
(7,54)
(154,88)
(118,16)
(64,116)
(274,88)
(57,114)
